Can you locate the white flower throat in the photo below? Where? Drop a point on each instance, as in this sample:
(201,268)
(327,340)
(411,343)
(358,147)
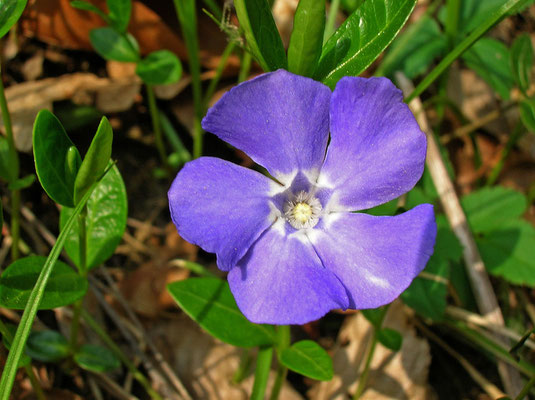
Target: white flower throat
(302,210)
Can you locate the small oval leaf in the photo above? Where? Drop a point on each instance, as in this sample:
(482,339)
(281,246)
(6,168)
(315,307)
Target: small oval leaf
(47,346)
(119,13)
(86,6)
(209,302)
(105,222)
(95,161)
(96,358)
(362,38)
(113,45)
(10,12)
(309,359)
(390,338)
(50,147)
(160,67)
(64,286)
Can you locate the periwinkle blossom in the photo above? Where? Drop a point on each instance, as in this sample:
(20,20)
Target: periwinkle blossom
(293,245)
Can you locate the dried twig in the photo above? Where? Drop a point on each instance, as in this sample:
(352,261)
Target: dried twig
(479,279)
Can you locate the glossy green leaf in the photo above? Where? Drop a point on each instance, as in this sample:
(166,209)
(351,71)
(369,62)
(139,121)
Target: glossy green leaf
(309,359)
(64,287)
(160,67)
(119,13)
(86,6)
(7,172)
(22,183)
(209,302)
(509,252)
(50,147)
(362,38)
(95,161)
(306,40)
(489,58)
(489,208)
(521,61)
(261,33)
(413,51)
(10,12)
(390,338)
(105,221)
(47,346)
(113,45)
(72,165)
(7,339)
(427,294)
(96,358)
(527,114)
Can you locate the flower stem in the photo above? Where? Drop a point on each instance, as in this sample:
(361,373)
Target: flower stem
(263,366)
(82,238)
(366,371)
(101,333)
(283,342)
(14,166)
(156,125)
(245,66)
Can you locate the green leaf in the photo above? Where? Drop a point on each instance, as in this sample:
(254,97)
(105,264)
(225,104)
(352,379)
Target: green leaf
(64,287)
(521,61)
(527,114)
(489,208)
(50,147)
(10,12)
(160,67)
(86,6)
(96,358)
(362,38)
(105,221)
(388,208)
(375,316)
(261,33)
(489,58)
(309,359)
(509,252)
(95,161)
(7,340)
(390,338)
(447,246)
(1,217)
(113,45)
(119,13)
(427,294)
(208,301)
(414,49)
(47,346)
(22,183)
(306,40)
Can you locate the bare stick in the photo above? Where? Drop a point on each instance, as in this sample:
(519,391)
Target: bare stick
(479,279)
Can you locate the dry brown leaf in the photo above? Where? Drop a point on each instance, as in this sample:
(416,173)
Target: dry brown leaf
(26,99)
(400,375)
(204,364)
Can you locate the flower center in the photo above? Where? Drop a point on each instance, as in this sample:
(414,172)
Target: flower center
(302,210)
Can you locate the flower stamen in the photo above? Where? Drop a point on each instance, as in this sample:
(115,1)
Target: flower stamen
(302,210)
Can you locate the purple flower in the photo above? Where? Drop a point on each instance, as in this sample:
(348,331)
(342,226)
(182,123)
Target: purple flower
(293,246)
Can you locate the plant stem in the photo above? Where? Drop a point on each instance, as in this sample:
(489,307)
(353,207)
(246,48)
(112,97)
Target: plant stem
(219,71)
(14,166)
(495,173)
(363,380)
(462,47)
(186,12)
(263,366)
(36,385)
(245,66)
(331,19)
(283,342)
(119,353)
(525,390)
(156,125)
(245,363)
